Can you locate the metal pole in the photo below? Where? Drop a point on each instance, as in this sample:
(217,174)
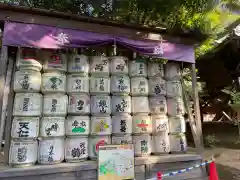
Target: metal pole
(200,148)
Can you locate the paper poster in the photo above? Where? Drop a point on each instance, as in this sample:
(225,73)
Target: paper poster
(116,162)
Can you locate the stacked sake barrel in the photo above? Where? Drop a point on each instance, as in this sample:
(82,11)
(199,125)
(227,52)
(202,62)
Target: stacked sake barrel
(27,109)
(142,125)
(158,108)
(121,101)
(52,125)
(77,126)
(175,106)
(101,122)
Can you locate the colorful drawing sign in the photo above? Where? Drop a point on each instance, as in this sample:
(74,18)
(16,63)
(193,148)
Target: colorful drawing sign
(116,162)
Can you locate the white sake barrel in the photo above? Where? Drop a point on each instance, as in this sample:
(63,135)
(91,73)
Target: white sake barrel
(95,142)
(101,125)
(25,127)
(100,104)
(122,124)
(55,105)
(155,69)
(99,65)
(27,59)
(178,143)
(77,126)
(100,85)
(157,86)
(76,149)
(177,124)
(27,104)
(52,126)
(51,150)
(27,81)
(119,65)
(78,104)
(54,61)
(78,64)
(142,124)
(142,145)
(77,83)
(23,152)
(175,106)
(140,105)
(160,143)
(160,124)
(137,69)
(174,88)
(158,105)
(124,139)
(172,71)
(139,86)
(53,82)
(121,104)
(120,85)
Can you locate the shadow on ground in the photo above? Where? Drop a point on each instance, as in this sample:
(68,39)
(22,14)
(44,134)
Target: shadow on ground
(227,173)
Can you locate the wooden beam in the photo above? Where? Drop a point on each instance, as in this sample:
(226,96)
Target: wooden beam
(198,122)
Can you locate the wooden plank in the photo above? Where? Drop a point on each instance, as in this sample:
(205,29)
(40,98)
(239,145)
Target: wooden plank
(8,125)
(5,97)
(200,148)
(3,69)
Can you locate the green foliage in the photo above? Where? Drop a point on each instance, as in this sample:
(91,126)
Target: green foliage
(211,140)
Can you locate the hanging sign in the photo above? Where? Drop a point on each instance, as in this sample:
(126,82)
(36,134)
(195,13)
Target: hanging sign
(116,162)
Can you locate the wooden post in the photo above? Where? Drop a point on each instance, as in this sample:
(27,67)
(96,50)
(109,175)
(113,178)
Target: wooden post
(200,147)
(3,70)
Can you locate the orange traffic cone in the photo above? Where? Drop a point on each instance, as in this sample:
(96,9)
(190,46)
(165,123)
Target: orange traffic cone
(213,175)
(159,176)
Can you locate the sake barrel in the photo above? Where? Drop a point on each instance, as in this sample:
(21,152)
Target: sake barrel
(77,126)
(51,150)
(174,89)
(101,125)
(123,139)
(142,124)
(55,105)
(52,127)
(77,83)
(99,85)
(177,124)
(79,104)
(27,81)
(157,86)
(122,124)
(54,61)
(100,104)
(119,65)
(23,152)
(158,105)
(53,82)
(175,106)
(78,64)
(99,65)
(121,104)
(27,59)
(95,142)
(27,104)
(160,124)
(172,71)
(140,105)
(139,86)
(76,149)
(178,143)
(25,127)
(142,145)
(120,85)
(160,143)
(137,69)
(155,69)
